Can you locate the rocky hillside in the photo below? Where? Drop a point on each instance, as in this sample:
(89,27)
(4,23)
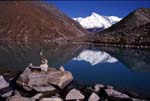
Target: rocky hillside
(35,20)
(133,30)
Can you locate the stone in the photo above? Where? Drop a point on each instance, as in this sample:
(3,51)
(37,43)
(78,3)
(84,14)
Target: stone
(44,65)
(17,93)
(5,74)
(27,88)
(135,99)
(51,99)
(62,68)
(94,97)
(90,89)
(19,98)
(37,96)
(97,87)
(39,81)
(11,78)
(59,78)
(110,87)
(7,94)
(75,94)
(35,67)
(114,93)
(44,88)
(3,83)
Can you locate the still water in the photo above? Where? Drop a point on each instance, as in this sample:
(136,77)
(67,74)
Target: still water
(125,69)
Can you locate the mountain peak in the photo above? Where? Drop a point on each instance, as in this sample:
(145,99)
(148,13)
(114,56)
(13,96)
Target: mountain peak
(96,20)
(95,14)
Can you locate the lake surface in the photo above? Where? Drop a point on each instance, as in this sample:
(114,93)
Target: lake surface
(125,69)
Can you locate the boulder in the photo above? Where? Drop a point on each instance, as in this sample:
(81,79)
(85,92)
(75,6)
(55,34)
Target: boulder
(3,83)
(94,97)
(17,93)
(7,94)
(59,78)
(37,96)
(75,94)
(34,79)
(19,98)
(110,87)
(114,93)
(97,87)
(44,88)
(135,99)
(51,99)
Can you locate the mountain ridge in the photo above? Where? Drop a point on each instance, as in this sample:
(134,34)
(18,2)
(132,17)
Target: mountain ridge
(36,20)
(128,32)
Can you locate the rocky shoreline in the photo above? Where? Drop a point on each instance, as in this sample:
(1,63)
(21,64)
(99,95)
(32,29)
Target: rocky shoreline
(36,84)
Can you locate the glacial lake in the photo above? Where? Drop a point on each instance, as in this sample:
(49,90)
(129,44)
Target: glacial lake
(125,69)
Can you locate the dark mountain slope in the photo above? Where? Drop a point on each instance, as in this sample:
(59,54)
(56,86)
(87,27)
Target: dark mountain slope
(132,30)
(34,20)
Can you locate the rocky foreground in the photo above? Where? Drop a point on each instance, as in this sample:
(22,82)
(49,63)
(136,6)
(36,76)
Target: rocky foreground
(34,84)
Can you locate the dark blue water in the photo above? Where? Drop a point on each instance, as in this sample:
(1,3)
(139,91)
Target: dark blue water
(125,69)
(116,74)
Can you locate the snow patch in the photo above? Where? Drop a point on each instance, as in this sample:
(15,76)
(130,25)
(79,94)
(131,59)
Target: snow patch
(97,21)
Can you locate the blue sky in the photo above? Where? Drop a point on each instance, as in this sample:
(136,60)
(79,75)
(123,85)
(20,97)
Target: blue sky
(84,8)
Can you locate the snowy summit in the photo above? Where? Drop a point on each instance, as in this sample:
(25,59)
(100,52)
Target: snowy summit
(97,21)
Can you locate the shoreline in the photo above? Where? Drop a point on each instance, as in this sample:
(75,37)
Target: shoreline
(103,91)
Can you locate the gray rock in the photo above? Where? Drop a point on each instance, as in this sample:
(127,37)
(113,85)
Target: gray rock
(11,78)
(51,99)
(44,88)
(94,97)
(5,74)
(97,87)
(110,87)
(90,88)
(34,79)
(17,93)
(62,68)
(37,96)
(27,88)
(3,83)
(114,93)
(7,94)
(75,94)
(19,98)
(135,99)
(44,65)
(35,67)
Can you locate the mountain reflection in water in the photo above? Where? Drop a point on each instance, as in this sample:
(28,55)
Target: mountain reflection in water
(127,69)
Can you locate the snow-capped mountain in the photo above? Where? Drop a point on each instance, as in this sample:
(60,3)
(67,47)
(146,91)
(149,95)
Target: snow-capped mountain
(97,21)
(95,57)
